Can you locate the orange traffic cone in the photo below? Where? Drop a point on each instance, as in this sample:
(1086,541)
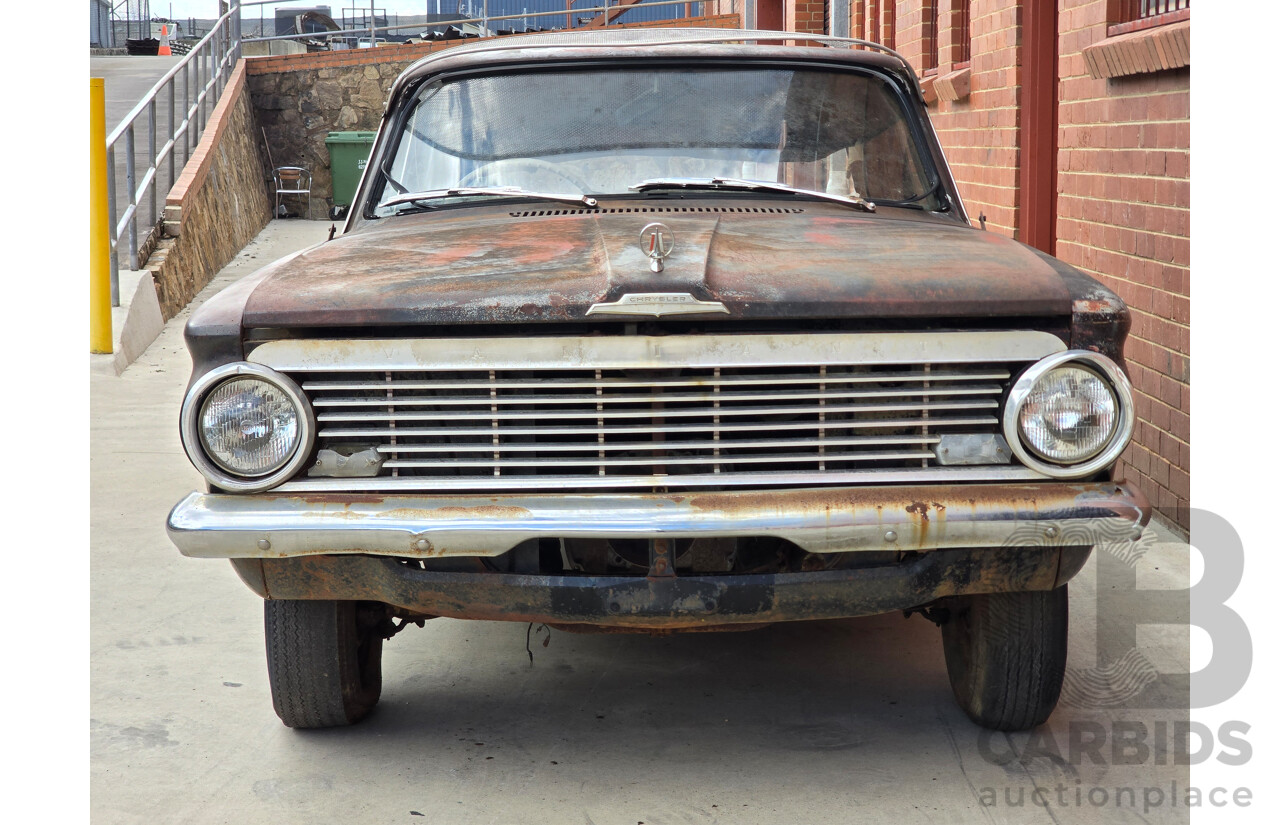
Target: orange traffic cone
(164,50)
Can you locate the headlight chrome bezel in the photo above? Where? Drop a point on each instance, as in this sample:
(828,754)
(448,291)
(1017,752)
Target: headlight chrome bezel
(1104,367)
(193,442)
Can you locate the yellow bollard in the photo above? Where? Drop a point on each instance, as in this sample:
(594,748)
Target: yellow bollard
(99,231)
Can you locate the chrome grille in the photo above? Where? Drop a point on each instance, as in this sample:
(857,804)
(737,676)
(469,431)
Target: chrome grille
(537,422)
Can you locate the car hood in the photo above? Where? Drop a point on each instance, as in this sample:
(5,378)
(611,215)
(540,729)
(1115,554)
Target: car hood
(760,259)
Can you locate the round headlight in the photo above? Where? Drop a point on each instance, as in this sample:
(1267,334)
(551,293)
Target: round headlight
(246,427)
(1069,415)
(249,427)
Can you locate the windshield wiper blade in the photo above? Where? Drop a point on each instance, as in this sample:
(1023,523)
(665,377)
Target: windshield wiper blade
(739,184)
(938,190)
(494,191)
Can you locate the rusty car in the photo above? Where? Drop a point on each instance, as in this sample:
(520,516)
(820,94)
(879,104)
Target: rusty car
(655,331)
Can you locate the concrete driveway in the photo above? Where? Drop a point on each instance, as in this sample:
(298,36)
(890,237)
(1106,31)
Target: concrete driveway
(848,721)
(126,78)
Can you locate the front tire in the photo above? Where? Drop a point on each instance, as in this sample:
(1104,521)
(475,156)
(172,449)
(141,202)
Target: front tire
(1006,656)
(324,661)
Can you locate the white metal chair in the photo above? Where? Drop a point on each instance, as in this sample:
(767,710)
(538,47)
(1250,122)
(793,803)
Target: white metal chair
(291,180)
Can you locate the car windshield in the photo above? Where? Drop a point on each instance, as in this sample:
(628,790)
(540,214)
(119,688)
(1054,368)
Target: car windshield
(600,133)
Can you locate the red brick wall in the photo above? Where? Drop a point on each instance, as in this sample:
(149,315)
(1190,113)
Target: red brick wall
(979,132)
(871,20)
(809,16)
(1123,202)
(1124,198)
(911,21)
(858,13)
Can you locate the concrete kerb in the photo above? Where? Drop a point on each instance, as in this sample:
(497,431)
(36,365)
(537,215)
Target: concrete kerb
(135,323)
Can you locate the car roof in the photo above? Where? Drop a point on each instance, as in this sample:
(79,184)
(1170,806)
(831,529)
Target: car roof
(652,42)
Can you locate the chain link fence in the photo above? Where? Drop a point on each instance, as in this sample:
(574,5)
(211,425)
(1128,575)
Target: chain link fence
(131,20)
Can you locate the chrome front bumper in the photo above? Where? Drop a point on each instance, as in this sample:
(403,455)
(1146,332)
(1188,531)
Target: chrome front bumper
(908,518)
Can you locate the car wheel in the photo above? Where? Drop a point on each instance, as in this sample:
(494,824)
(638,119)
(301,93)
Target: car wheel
(1006,655)
(324,660)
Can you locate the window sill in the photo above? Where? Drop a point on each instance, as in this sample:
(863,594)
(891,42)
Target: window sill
(953,86)
(1140,52)
(927,81)
(1149,22)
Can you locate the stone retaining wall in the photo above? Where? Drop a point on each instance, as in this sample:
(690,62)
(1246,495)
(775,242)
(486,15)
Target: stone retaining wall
(300,99)
(298,109)
(219,203)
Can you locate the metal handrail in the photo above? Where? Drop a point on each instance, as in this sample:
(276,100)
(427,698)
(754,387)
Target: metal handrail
(483,21)
(211,61)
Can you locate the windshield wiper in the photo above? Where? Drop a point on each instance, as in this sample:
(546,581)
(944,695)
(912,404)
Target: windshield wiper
(939,191)
(738,184)
(421,198)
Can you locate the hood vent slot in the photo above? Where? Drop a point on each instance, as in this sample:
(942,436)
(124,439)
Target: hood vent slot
(648,210)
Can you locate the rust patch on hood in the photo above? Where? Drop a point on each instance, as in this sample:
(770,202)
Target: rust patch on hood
(484,265)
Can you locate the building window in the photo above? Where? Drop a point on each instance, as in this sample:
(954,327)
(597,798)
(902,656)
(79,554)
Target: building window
(1132,15)
(929,57)
(1142,9)
(873,20)
(962,38)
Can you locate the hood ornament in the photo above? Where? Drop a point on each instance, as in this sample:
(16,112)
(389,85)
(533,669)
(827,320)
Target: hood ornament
(658,304)
(657,240)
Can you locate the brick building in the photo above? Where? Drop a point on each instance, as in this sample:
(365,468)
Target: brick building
(1067,125)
